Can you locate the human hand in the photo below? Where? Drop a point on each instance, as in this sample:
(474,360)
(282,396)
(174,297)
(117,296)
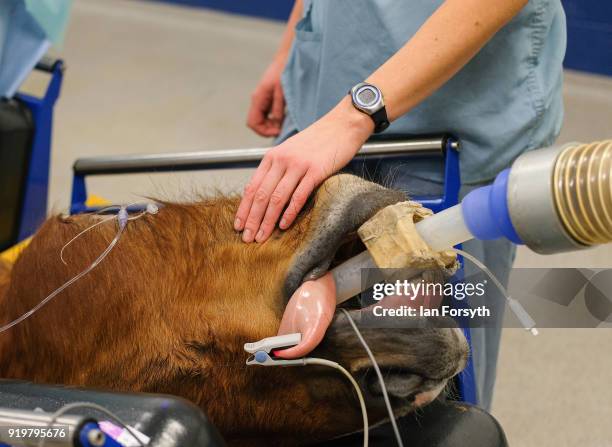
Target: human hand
(267,110)
(290,171)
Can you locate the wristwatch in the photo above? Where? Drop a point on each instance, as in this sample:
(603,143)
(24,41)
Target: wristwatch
(367,98)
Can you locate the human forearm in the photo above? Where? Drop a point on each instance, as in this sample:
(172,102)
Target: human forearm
(442,46)
(289,34)
(290,171)
(267,110)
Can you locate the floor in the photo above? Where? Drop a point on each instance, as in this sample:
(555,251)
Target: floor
(148,77)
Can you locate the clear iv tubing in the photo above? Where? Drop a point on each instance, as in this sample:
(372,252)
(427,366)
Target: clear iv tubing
(81,234)
(151,208)
(122,219)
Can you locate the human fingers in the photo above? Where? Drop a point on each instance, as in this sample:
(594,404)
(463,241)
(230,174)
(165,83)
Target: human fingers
(249,193)
(298,200)
(257,118)
(261,198)
(277,111)
(278,200)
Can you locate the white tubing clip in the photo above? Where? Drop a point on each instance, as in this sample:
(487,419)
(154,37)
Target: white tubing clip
(262,351)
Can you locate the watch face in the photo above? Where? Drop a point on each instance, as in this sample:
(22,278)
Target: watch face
(367,96)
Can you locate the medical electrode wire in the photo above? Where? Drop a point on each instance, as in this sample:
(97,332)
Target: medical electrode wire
(518,309)
(90,405)
(122,219)
(364,412)
(398,437)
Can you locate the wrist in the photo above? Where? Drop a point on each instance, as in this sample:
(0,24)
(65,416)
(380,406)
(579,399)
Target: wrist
(280,59)
(356,123)
(274,72)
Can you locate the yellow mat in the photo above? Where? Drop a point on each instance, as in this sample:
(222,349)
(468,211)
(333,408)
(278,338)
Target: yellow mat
(10,255)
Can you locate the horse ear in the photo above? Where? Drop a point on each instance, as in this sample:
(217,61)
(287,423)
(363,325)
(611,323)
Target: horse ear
(341,204)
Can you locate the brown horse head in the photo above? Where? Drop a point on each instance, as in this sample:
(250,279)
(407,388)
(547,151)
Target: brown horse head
(170,308)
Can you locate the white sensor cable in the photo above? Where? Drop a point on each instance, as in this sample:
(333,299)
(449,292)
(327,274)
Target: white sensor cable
(398,437)
(518,309)
(262,354)
(364,412)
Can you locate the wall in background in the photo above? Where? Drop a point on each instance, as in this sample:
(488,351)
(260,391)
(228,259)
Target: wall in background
(269,9)
(589,26)
(589,35)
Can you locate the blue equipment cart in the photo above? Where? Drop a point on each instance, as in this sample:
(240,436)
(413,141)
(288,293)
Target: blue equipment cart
(25,150)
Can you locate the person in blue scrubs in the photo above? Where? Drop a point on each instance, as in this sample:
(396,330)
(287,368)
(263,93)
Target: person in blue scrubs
(488,72)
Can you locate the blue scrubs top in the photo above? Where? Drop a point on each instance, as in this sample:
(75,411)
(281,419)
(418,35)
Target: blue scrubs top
(505,101)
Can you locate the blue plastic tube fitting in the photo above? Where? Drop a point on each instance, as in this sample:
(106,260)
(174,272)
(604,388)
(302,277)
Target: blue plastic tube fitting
(485,211)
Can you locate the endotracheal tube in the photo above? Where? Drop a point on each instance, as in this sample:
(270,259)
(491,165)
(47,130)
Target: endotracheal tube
(553,200)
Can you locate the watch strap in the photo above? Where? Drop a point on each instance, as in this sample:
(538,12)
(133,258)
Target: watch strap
(381,122)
